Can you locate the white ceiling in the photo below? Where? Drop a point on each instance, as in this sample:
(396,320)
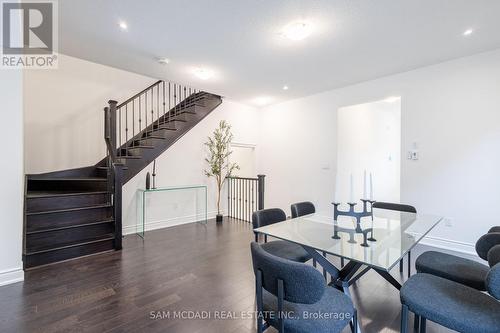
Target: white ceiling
(353,41)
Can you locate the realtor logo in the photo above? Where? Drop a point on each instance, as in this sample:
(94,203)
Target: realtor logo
(29,34)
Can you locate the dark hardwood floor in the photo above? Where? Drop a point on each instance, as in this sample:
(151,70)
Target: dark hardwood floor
(191,267)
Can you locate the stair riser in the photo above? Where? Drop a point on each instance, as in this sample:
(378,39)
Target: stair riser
(148,141)
(57,220)
(64,202)
(69,253)
(59,237)
(66,185)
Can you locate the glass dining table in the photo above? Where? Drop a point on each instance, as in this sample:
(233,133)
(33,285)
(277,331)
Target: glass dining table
(377,242)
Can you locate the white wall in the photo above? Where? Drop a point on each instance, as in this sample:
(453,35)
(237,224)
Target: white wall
(64,129)
(11,177)
(64,115)
(369,145)
(451,110)
(183,164)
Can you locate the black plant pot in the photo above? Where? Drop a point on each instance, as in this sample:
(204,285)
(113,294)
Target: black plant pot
(218,218)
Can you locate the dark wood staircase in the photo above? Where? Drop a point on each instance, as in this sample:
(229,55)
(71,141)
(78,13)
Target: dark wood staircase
(77,212)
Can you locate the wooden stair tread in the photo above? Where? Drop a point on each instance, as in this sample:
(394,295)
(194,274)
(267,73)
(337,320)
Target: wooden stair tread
(106,168)
(141,147)
(70,226)
(44,249)
(69,209)
(153,137)
(94,179)
(130,157)
(50,194)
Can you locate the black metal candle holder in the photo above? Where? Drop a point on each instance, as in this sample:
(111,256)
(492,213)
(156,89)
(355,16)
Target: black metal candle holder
(358,215)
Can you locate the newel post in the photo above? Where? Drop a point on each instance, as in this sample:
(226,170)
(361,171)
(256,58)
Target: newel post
(260,189)
(112,122)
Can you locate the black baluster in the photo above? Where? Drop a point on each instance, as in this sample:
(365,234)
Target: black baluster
(175,99)
(119,131)
(164,102)
(140,114)
(158,106)
(126,129)
(146,113)
(133,123)
(152,111)
(239,199)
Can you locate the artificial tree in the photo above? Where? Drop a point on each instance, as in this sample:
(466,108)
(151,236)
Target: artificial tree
(219,166)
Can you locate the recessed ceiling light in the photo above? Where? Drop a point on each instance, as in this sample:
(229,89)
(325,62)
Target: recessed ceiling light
(468,32)
(203,73)
(163,61)
(285,87)
(262,100)
(123,25)
(297,30)
(392,99)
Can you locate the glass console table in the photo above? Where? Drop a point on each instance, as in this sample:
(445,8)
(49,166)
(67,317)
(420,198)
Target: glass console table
(168,206)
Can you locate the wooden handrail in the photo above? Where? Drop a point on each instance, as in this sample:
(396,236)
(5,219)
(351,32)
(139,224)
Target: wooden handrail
(139,93)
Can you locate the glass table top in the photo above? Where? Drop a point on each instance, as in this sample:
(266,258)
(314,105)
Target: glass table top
(379,243)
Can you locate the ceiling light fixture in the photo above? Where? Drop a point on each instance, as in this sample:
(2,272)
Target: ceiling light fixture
(123,25)
(203,73)
(285,87)
(468,32)
(392,99)
(163,61)
(297,30)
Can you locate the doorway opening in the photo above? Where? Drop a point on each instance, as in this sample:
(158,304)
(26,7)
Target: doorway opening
(369,143)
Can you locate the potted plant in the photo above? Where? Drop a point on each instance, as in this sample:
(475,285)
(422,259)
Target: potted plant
(219,166)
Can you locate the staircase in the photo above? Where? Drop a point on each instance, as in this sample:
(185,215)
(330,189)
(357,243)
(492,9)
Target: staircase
(77,212)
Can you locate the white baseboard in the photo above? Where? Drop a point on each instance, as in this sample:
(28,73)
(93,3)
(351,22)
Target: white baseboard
(11,276)
(153,225)
(466,249)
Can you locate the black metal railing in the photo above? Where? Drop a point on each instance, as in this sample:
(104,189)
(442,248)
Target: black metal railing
(138,117)
(245,196)
(147,111)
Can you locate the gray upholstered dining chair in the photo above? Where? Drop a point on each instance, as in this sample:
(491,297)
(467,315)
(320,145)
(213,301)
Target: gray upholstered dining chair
(465,271)
(451,304)
(288,293)
(400,208)
(280,248)
(302,208)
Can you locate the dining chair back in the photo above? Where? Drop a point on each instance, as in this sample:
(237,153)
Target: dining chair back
(302,208)
(300,283)
(400,208)
(263,217)
(394,206)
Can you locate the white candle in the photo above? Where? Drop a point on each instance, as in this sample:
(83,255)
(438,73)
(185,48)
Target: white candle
(371,186)
(335,193)
(351,197)
(364,185)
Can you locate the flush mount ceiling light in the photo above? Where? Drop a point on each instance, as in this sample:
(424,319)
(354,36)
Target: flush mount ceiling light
(203,73)
(123,25)
(468,32)
(285,87)
(163,60)
(262,100)
(298,30)
(392,99)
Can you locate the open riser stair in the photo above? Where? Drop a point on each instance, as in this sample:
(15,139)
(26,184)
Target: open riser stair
(77,212)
